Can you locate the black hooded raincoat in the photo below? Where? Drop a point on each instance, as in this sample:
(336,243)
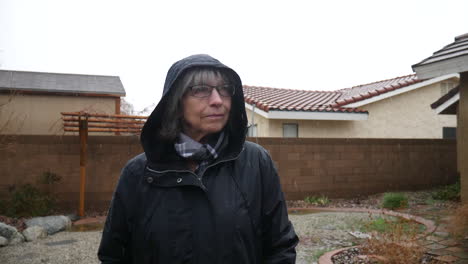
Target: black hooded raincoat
(162,212)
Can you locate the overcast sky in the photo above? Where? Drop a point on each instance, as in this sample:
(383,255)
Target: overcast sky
(310,45)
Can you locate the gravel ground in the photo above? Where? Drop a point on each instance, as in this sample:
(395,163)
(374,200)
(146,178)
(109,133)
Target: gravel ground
(63,247)
(323,232)
(318,232)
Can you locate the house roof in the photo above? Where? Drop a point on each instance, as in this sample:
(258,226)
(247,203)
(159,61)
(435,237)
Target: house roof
(60,83)
(276,99)
(447,103)
(452,58)
(366,91)
(267,98)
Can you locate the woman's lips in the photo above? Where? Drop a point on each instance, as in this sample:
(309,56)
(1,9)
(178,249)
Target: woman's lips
(216,116)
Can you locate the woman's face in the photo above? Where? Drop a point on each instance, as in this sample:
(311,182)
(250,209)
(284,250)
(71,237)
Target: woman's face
(208,115)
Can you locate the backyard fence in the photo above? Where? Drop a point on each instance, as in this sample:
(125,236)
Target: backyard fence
(307,166)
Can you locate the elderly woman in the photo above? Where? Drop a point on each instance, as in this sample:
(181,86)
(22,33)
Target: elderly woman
(199,193)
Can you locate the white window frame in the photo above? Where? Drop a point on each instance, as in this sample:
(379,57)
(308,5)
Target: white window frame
(291,125)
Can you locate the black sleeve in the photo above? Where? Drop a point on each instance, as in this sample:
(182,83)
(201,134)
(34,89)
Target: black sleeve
(279,237)
(115,246)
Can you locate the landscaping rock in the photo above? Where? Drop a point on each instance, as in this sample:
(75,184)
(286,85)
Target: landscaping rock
(3,241)
(16,238)
(360,235)
(34,232)
(73,217)
(11,234)
(7,231)
(52,224)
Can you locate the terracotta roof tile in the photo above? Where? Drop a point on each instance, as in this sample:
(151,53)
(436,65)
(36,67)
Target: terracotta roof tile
(366,91)
(267,98)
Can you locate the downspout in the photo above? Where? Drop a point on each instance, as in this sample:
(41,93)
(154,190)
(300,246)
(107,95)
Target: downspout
(252,123)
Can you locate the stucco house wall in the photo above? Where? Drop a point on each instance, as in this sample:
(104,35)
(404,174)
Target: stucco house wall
(25,114)
(407,115)
(263,124)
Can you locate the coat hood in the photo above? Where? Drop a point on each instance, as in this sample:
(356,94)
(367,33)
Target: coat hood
(157,149)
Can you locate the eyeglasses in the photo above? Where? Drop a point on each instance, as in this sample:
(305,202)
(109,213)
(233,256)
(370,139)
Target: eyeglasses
(203,90)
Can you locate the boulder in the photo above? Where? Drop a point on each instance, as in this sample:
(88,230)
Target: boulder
(73,217)
(7,231)
(52,224)
(16,238)
(3,241)
(34,232)
(11,234)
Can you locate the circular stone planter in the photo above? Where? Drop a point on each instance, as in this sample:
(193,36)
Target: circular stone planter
(327,257)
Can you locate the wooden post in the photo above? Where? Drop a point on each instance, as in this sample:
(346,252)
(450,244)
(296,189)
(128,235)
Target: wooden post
(462,136)
(83,132)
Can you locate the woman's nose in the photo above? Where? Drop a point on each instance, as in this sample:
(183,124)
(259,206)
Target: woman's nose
(215,98)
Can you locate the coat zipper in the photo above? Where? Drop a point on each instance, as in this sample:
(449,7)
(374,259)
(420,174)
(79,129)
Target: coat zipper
(195,175)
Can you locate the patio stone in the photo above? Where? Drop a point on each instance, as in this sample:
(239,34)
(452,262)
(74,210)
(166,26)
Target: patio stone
(441,233)
(449,242)
(436,246)
(447,258)
(439,252)
(462,255)
(456,249)
(434,238)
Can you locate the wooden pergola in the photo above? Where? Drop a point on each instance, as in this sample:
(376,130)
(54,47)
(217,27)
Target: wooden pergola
(83,123)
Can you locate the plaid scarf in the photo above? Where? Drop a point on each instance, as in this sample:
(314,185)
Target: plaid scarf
(188,148)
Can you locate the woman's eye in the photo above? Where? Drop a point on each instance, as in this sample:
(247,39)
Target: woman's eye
(200,90)
(226,90)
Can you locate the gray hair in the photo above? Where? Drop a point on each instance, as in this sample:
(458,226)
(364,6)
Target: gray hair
(173,114)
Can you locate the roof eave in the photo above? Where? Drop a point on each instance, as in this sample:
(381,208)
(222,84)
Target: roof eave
(440,68)
(62,92)
(402,90)
(309,115)
(449,106)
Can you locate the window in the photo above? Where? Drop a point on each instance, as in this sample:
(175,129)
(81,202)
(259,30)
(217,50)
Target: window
(290,130)
(252,132)
(449,132)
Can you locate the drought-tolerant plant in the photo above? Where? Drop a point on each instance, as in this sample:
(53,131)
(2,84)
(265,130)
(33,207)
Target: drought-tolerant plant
(317,200)
(28,200)
(394,201)
(387,224)
(448,192)
(378,224)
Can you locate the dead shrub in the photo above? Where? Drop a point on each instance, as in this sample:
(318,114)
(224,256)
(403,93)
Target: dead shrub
(459,222)
(398,244)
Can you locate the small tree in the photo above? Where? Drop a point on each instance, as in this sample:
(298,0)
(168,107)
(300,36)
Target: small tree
(10,122)
(126,108)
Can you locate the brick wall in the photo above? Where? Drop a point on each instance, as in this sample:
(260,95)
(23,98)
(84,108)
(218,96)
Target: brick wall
(307,166)
(28,157)
(352,167)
